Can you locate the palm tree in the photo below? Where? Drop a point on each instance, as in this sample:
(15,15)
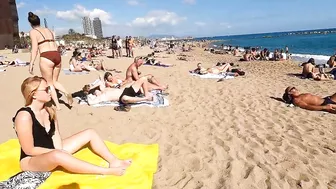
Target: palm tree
(22,38)
(71,31)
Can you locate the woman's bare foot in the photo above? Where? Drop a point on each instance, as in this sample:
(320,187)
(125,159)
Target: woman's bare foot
(164,87)
(150,97)
(120,163)
(117,171)
(70,99)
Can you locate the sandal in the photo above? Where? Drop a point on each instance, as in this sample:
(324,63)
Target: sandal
(122,108)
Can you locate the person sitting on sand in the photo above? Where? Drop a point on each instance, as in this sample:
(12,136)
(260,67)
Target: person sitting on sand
(283,56)
(43,149)
(309,101)
(123,96)
(247,56)
(133,74)
(236,52)
(332,61)
(254,54)
(308,68)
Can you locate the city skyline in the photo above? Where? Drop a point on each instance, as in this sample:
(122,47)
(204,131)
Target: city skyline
(87,25)
(180,17)
(97,28)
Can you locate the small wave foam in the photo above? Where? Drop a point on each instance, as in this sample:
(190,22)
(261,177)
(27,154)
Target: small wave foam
(319,59)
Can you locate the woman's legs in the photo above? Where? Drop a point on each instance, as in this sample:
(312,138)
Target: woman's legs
(58,85)
(49,161)
(47,67)
(77,141)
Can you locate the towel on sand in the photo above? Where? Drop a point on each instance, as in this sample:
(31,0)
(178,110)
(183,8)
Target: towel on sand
(68,72)
(159,65)
(158,101)
(139,175)
(215,76)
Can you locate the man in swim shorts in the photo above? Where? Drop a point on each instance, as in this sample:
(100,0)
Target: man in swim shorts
(133,74)
(309,101)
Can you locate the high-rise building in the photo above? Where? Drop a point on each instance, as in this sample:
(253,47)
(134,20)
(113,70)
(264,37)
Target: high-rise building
(97,27)
(9,27)
(87,26)
(45,23)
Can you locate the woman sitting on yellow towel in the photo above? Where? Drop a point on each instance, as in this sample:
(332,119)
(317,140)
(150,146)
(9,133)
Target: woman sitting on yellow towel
(42,148)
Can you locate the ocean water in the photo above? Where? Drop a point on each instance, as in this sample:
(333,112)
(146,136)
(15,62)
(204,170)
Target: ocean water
(302,47)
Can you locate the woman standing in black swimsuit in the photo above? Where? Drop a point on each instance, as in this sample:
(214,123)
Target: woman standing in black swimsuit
(42,148)
(50,63)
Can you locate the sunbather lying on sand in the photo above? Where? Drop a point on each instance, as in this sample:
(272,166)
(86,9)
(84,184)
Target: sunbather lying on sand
(219,68)
(309,101)
(154,62)
(133,74)
(124,96)
(77,65)
(321,76)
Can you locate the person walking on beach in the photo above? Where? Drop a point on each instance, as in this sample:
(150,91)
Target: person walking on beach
(50,59)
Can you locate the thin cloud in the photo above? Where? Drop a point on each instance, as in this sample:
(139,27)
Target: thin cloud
(189,1)
(79,11)
(20,4)
(200,23)
(133,2)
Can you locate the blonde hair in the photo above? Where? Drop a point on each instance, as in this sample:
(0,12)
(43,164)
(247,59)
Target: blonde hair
(29,87)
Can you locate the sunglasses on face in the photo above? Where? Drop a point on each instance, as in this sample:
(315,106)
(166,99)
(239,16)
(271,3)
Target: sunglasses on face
(47,89)
(292,89)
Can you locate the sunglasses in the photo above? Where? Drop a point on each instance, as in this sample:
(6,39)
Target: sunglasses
(47,89)
(292,89)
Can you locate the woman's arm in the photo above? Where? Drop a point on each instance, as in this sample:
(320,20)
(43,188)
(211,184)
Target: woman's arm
(34,47)
(23,125)
(57,140)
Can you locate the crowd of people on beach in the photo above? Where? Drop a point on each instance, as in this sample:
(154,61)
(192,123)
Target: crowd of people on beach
(44,149)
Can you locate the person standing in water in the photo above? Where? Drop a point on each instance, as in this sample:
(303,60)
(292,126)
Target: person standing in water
(43,41)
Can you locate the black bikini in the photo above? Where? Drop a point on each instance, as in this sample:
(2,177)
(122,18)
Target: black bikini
(41,137)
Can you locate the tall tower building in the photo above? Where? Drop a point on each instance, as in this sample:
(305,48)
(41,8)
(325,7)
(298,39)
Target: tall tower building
(87,26)
(9,27)
(97,27)
(45,23)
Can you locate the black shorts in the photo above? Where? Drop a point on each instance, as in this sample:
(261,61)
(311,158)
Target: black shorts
(129,91)
(327,100)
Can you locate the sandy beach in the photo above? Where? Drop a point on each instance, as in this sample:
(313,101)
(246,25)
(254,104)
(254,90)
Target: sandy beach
(233,134)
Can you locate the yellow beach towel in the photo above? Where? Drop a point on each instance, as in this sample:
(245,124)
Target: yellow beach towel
(138,176)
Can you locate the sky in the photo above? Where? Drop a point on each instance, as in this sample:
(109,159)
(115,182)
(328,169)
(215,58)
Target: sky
(197,18)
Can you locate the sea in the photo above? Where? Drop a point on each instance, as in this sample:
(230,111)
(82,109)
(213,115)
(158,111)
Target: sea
(317,44)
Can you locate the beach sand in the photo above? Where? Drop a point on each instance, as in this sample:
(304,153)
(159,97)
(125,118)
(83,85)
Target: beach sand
(233,134)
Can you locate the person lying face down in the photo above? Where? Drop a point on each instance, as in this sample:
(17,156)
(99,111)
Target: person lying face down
(309,101)
(124,96)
